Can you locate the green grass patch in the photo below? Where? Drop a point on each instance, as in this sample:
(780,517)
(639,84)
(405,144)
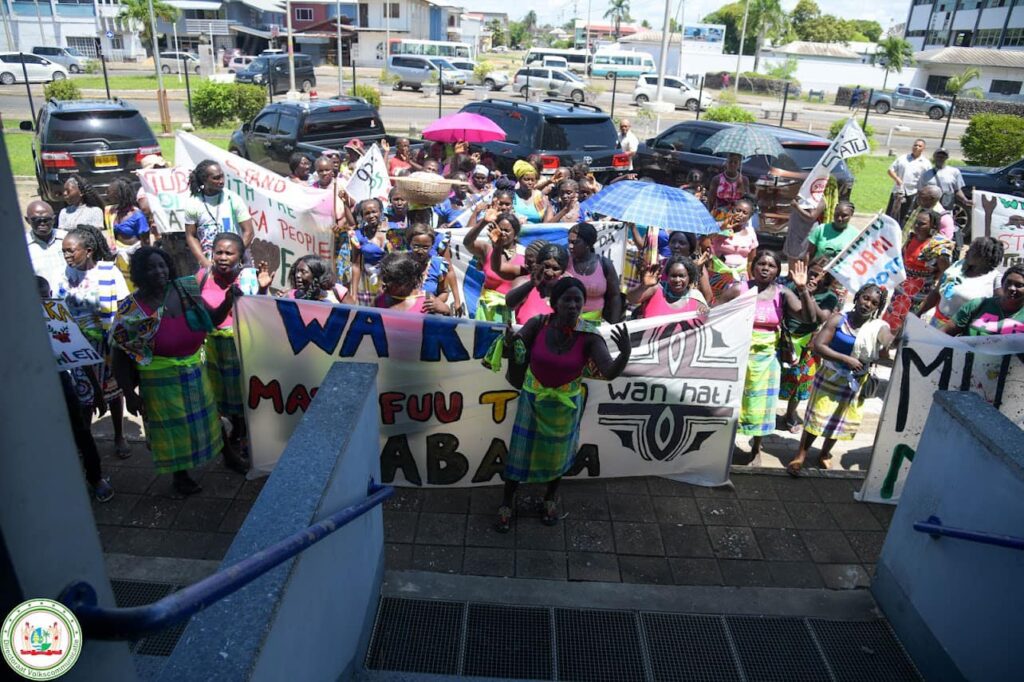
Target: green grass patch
(141,82)
(872,185)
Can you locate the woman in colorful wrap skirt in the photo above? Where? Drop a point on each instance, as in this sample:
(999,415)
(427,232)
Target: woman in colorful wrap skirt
(774,301)
(604,296)
(847,345)
(161,329)
(926,255)
(550,405)
(223,365)
(499,260)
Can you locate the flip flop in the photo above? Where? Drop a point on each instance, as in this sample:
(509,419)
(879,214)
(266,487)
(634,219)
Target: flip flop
(793,469)
(795,426)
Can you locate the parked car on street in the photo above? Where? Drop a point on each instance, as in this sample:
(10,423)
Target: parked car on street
(101,140)
(910,99)
(414,71)
(492,80)
(228,55)
(177,62)
(1006,180)
(668,158)
(239,62)
(287,126)
(68,57)
(274,69)
(554,82)
(39,69)
(563,133)
(674,90)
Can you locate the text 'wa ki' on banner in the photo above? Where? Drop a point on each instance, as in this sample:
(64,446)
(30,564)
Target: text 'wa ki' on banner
(850,142)
(929,361)
(611,243)
(70,347)
(875,256)
(1000,216)
(290,220)
(446,420)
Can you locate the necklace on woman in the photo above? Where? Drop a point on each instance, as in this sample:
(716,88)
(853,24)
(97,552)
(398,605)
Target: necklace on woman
(568,337)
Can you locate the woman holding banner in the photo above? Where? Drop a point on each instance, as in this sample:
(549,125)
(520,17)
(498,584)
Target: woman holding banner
(848,344)
(926,255)
(158,336)
(774,302)
(555,349)
(999,314)
(604,297)
(500,262)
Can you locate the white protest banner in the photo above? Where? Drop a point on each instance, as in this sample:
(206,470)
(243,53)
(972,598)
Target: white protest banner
(1002,217)
(445,420)
(848,143)
(931,361)
(70,347)
(874,257)
(369,177)
(166,191)
(289,220)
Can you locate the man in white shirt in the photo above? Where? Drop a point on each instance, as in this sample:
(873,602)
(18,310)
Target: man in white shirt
(45,243)
(628,141)
(947,179)
(905,172)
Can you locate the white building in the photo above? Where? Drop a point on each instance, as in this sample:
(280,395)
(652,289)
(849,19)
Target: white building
(995,24)
(1002,71)
(68,24)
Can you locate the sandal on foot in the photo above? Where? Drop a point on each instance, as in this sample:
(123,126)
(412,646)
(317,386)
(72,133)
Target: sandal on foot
(825,463)
(186,485)
(504,523)
(793,469)
(550,516)
(795,425)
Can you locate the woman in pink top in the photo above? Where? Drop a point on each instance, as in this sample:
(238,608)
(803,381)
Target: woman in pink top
(727,187)
(764,373)
(733,247)
(547,427)
(674,293)
(501,263)
(161,329)
(531,299)
(401,284)
(604,300)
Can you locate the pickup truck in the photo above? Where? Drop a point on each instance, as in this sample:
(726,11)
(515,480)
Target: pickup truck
(286,127)
(910,99)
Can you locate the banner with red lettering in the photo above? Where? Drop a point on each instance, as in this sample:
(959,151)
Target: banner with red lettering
(446,420)
(290,220)
(875,256)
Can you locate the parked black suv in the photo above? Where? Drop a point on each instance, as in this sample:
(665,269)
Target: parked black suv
(668,157)
(273,68)
(563,133)
(101,140)
(283,128)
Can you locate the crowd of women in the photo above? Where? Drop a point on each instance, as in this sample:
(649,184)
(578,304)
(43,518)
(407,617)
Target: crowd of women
(163,319)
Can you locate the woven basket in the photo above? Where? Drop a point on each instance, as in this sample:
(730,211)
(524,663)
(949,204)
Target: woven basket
(424,189)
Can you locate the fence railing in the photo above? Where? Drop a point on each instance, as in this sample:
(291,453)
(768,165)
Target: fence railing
(933,526)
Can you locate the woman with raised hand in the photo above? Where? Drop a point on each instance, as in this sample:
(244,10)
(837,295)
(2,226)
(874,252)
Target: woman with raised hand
(670,290)
(774,302)
(604,299)
(369,245)
(438,277)
(160,329)
(848,344)
(127,227)
(556,348)
(312,279)
(223,364)
(531,298)
(212,209)
(501,264)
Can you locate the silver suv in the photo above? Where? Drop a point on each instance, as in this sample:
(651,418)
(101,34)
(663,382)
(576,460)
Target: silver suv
(68,57)
(557,82)
(413,71)
(492,80)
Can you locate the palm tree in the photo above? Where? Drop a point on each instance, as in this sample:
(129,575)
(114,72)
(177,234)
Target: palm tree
(135,14)
(895,52)
(497,32)
(770,19)
(957,85)
(618,11)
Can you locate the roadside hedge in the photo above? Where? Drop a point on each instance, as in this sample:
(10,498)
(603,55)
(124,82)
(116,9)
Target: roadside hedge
(216,104)
(993,139)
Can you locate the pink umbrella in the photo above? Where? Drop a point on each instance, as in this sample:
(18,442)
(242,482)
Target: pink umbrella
(463,127)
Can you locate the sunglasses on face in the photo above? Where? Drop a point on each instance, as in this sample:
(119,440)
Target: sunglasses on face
(41,220)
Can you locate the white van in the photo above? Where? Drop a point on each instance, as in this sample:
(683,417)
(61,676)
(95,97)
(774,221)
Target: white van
(626,64)
(553,62)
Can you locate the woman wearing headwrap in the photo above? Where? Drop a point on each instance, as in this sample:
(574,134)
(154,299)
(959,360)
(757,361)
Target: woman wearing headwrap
(529,201)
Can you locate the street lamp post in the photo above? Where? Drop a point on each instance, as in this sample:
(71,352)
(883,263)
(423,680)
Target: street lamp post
(161,93)
(337,22)
(291,49)
(739,54)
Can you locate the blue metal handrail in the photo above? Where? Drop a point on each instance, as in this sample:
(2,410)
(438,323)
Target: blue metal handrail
(933,526)
(133,623)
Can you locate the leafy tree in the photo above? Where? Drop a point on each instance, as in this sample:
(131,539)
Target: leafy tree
(826,29)
(618,11)
(136,14)
(497,29)
(894,53)
(870,29)
(993,139)
(805,11)
(731,16)
(530,20)
(674,26)
(767,18)
(518,36)
(957,85)
(783,71)
(645,24)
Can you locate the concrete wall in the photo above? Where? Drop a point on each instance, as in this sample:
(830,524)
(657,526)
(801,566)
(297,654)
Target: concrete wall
(954,603)
(308,619)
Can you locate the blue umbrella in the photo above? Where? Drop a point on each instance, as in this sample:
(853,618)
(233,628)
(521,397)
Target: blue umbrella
(652,205)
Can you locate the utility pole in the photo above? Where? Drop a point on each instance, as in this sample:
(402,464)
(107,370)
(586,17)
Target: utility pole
(739,55)
(387,33)
(39,20)
(587,45)
(161,93)
(291,50)
(337,20)
(7,27)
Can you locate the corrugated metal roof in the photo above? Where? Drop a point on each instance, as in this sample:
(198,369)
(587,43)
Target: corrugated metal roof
(802,48)
(972,56)
(647,35)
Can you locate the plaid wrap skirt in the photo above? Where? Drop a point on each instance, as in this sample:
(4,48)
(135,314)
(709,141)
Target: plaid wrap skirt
(546,432)
(836,407)
(761,386)
(224,369)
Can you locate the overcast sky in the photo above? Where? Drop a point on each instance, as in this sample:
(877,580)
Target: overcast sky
(558,12)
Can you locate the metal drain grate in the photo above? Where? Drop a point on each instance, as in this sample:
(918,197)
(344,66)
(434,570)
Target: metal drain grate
(686,647)
(128,593)
(415,635)
(860,652)
(594,646)
(773,649)
(508,641)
